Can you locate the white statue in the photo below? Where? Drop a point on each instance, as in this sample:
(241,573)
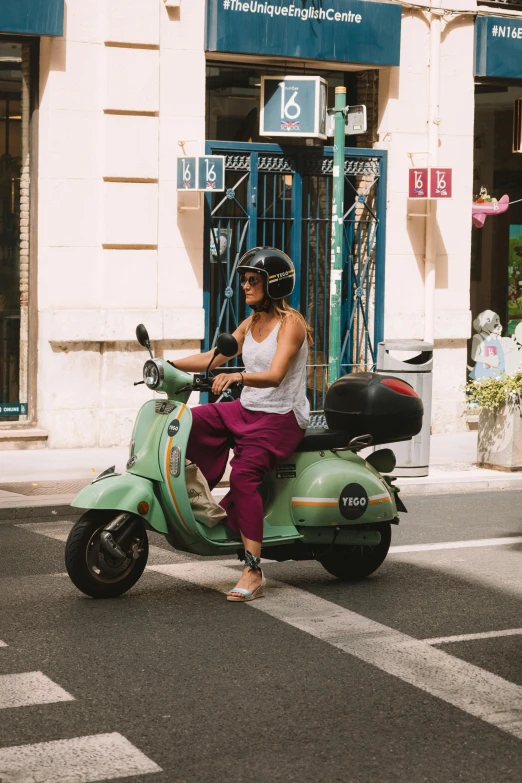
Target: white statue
(487,349)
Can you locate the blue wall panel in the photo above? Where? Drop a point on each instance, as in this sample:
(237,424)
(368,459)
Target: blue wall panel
(32,17)
(498,47)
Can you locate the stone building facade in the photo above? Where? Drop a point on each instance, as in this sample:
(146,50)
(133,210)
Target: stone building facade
(112,99)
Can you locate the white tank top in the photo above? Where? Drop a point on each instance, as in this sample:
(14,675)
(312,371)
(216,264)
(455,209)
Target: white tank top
(291,394)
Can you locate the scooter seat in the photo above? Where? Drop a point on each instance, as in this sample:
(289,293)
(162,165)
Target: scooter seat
(323,440)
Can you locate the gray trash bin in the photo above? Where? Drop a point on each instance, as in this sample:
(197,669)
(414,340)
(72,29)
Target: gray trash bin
(413,456)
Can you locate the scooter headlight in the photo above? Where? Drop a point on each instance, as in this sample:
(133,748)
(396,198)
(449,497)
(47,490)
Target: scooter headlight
(152,374)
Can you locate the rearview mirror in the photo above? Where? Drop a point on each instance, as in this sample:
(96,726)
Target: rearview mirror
(227,345)
(142,335)
(143,338)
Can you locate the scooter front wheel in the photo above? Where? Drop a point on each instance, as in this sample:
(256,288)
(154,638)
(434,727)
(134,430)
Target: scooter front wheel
(95,572)
(356,562)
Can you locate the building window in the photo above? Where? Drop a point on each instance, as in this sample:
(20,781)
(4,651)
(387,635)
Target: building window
(15,124)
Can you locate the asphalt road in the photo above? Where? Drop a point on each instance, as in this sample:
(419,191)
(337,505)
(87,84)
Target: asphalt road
(319,681)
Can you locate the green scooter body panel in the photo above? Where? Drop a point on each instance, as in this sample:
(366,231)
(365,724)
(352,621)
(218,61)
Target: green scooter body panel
(173,489)
(123,493)
(145,437)
(325,489)
(150,422)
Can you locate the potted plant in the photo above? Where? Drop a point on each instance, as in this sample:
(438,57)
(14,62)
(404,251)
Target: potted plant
(500,421)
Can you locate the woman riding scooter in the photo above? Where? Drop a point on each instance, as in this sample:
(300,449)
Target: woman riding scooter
(267,423)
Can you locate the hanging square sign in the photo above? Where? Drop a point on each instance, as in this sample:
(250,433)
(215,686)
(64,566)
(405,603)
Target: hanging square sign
(441,183)
(293,106)
(418,183)
(211,173)
(187,169)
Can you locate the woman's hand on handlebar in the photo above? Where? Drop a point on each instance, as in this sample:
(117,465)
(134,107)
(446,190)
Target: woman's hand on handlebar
(224,380)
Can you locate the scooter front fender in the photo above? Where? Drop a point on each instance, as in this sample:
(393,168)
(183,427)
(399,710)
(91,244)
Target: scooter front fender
(123,493)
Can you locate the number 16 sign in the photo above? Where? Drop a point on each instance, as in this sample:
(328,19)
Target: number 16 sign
(205,173)
(293,106)
(430,183)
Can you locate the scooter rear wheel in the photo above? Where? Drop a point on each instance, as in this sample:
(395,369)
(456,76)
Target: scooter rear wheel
(357,562)
(91,569)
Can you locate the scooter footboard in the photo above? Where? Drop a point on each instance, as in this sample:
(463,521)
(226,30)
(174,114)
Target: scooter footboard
(124,493)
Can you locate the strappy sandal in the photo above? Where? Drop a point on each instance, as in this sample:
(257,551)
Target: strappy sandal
(252,563)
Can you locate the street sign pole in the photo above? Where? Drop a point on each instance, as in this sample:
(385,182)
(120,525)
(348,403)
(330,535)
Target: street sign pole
(334,342)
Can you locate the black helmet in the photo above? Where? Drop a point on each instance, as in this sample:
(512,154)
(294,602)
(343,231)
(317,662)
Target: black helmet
(276,265)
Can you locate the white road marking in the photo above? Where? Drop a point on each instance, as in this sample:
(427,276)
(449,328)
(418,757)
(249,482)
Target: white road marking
(3,644)
(479,542)
(158,555)
(467,637)
(23,690)
(59,531)
(469,688)
(78,760)
(56,530)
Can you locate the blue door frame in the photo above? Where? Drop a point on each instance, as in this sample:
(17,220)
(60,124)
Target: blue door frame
(282,197)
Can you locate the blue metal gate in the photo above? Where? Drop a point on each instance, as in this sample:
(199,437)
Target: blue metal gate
(282,197)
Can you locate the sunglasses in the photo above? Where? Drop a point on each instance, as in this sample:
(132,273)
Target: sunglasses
(252,281)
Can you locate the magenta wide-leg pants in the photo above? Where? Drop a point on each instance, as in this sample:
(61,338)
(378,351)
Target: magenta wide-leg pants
(259,440)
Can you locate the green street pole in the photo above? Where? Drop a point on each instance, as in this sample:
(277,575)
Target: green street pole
(334,341)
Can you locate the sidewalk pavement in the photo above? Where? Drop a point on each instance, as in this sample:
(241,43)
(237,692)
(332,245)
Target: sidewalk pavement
(41,483)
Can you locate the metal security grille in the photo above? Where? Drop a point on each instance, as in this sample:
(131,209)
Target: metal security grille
(283,198)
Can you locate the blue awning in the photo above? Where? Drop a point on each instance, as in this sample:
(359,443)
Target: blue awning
(31,17)
(343,31)
(498,47)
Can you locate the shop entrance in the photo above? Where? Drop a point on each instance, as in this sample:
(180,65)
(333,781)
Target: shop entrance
(496,259)
(282,197)
(496,250)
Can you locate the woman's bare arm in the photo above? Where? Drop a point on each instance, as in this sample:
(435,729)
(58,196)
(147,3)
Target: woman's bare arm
(198,362)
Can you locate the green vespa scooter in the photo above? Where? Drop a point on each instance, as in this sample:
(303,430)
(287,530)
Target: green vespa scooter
(325,503)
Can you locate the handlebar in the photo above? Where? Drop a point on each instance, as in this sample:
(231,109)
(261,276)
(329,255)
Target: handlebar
(203,384)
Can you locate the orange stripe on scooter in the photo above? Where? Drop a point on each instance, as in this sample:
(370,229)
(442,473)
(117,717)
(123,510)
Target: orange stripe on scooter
(379,500)
(167,471)
(314,503)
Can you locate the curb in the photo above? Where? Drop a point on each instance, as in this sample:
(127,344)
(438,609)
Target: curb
(39,510)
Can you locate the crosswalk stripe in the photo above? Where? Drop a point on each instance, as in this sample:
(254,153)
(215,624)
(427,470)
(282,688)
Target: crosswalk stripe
(23,690)
(59,531)
(56,530)
(463,685)
(78,760)
(469,544)
(469,637)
